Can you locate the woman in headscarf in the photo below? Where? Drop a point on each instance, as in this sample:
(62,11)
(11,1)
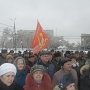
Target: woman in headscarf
(22,71)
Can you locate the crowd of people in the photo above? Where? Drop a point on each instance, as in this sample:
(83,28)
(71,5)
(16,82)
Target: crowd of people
(47,70)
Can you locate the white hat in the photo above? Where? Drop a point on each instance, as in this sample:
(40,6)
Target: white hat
(7,67)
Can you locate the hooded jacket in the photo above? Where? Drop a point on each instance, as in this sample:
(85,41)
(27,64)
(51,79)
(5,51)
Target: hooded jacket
(30,83)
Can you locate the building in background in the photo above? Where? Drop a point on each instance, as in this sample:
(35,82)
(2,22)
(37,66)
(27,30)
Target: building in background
(85,41)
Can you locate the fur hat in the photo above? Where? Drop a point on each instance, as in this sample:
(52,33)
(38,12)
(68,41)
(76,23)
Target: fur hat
(19,59)
(7,67)
(37,68)
(9,57)
(84,69)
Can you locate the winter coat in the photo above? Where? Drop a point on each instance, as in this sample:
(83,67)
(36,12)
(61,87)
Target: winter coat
(57,64)
(2,59)
(85,83)
(85,80)
(12,87)
(20,77)
(30,83)
(58,75)
(57,88)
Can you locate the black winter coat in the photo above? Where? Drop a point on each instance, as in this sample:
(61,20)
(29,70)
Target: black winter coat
(12,87)
(85,83)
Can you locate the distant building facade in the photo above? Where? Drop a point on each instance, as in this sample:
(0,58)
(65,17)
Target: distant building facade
(85,41)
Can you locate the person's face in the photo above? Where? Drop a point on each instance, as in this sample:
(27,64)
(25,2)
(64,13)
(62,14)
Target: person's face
(32,59)
(12,53)
(71,87)
(73,60)
(10,60)
(45,58)
(8,78)
(58,58)
(4,54)
(50,57)
(67,66)
(77,55)
(38,75)
(20,64)
(26,55)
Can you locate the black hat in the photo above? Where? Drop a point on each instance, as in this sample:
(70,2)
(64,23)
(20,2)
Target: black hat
(65,60)
(57,54)
(11,51)
(26,52)
(4,51)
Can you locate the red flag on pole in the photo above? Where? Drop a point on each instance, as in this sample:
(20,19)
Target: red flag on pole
(40,40)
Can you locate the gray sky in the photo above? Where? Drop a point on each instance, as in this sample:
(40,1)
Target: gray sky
(66,17)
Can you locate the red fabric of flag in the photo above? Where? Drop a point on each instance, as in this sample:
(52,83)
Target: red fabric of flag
(40,40)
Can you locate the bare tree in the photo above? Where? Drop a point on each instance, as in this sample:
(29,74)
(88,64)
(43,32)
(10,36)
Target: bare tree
(6,37)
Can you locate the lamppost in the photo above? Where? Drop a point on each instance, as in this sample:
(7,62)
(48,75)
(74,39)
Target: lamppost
(14,35)
(83,41)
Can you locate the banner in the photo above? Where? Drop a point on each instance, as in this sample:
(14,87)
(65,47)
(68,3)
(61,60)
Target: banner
(40,40)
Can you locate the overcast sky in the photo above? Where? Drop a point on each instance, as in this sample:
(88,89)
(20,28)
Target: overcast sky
(65,17)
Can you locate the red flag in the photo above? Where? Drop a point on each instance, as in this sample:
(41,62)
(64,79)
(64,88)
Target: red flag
(40,40)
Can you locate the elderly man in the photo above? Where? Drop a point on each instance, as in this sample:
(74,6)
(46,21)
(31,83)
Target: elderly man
(45,60)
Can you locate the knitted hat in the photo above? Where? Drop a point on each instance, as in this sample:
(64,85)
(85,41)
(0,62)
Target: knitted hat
(7,67)
(45,53)
(37,68)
